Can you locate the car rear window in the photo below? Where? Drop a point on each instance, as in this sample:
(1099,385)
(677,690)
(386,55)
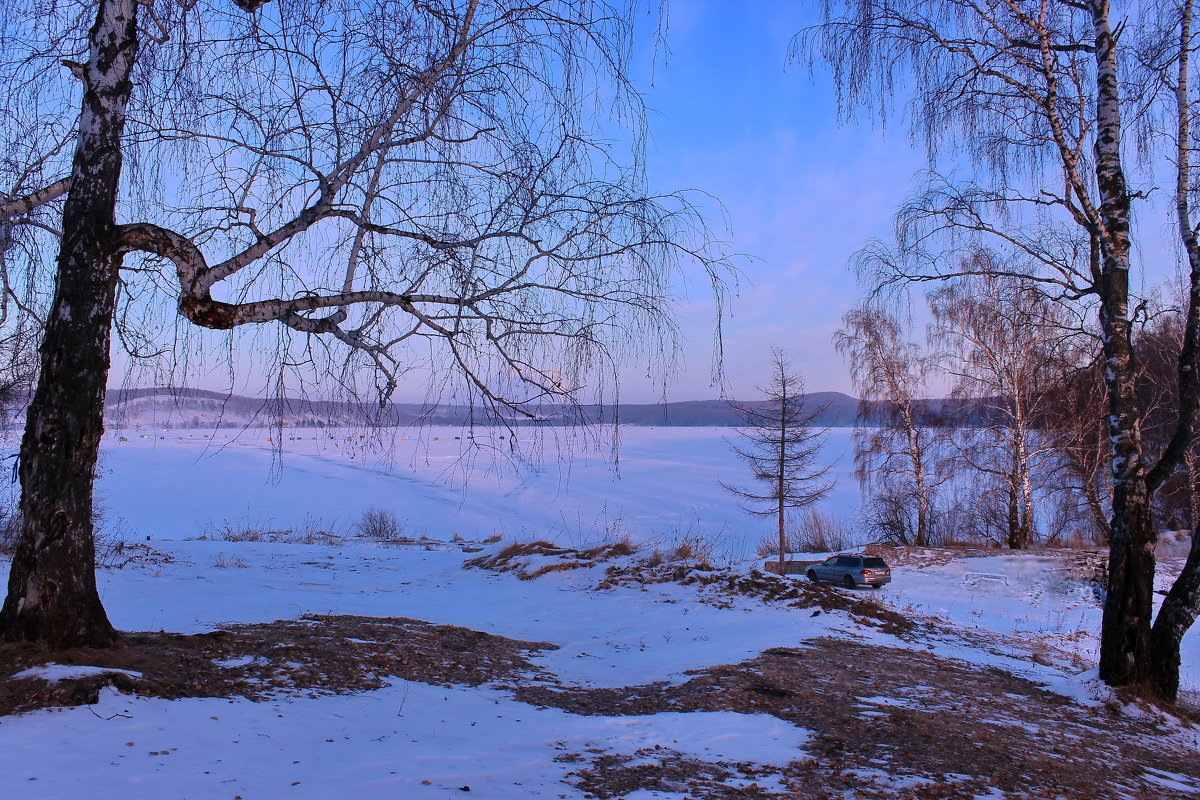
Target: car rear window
(875,563)
(847,561)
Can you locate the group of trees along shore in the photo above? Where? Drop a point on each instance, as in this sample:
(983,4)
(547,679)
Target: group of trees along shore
(1065,113)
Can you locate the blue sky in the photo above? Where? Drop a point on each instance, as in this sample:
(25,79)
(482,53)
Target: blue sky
(731,117)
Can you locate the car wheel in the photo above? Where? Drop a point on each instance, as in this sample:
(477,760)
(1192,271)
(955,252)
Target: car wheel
(848,582)
(812,576)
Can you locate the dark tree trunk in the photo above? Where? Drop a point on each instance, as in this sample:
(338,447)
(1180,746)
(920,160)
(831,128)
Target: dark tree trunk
(1129,605)
(52,595)
(780,488)
(1014,520)
(1014,500)
(1182,603)
(1178,612)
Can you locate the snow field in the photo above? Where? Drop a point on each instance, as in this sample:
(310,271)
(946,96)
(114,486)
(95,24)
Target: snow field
(614,638)
(416,740)
(406,740)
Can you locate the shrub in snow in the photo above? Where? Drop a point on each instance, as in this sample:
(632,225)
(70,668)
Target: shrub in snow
(812,532)
(380,525)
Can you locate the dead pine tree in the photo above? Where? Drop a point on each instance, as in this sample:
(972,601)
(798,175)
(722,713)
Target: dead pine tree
(778,442)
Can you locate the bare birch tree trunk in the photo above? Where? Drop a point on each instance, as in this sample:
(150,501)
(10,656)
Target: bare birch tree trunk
(892,444)
(922,535)
(1027,523)
(1128,608)
(52,593)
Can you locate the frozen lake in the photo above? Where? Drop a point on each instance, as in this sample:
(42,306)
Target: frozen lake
(561,484)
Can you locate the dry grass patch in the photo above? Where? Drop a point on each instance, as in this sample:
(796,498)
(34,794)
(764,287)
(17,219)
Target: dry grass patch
(520,558)
(722,586)
(899,723)
(313,655)
(658,769)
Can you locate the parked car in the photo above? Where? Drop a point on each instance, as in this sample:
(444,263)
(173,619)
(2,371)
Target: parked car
(852,569)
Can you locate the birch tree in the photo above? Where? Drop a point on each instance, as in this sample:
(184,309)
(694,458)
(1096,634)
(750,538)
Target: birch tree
(897,454)
(424,185)
(1165,53)
(997,342)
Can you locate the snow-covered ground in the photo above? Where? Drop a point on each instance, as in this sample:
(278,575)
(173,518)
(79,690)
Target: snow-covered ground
(416,740)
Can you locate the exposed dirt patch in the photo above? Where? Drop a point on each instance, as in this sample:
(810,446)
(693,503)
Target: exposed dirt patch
(721,586)
(886,722)
(891,722)
(119,554)
(664,770)
(313,655)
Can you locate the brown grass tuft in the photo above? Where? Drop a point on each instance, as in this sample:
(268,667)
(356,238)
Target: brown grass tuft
(517,556)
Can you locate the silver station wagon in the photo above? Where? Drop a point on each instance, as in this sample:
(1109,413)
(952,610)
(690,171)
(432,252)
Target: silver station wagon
(852,570)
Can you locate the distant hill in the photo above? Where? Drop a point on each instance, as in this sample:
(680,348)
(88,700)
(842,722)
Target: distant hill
(838,410)
(168,407)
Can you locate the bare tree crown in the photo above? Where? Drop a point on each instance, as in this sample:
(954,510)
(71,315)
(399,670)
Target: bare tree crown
(430,184)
